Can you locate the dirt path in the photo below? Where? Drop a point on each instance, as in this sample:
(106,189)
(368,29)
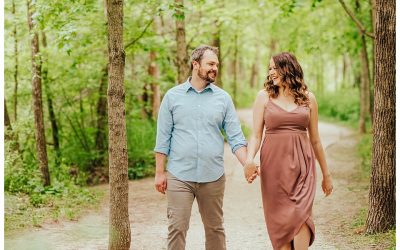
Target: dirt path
(244,221)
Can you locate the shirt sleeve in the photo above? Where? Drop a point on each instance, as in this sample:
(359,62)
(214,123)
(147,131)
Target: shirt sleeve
(232,127)
(164,127)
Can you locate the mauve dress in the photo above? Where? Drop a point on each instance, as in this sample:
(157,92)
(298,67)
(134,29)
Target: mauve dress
(287,173)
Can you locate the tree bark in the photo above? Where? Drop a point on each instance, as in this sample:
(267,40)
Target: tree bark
(7,123)
(254,69)
(364,87)
(371,92)
(52,115)
(119,230)
(235,71)
(153,72)
(155,87)
(16,63)
(101,112)
(181,51)
(37,101)
(216,42)
(345,80)
(382,197)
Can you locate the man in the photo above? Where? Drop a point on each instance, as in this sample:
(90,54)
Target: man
(189,126)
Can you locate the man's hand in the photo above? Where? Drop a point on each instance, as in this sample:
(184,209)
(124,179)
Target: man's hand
(160,182)
(251,171)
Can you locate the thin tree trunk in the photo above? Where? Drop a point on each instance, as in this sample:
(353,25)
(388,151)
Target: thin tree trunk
(155,87)
(365,85)
(101,111)
(7,123)
(235,71)
(52,115)
(119,230)
(363,100)
(371,92)
(9,134)
(382,194)
(345,70)
(181,52)
(16,63)
(216,42)
(320,73)
(153,72)
(254,69)
(37,101)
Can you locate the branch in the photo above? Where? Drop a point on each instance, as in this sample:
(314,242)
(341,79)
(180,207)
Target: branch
(140,36)
(358,23)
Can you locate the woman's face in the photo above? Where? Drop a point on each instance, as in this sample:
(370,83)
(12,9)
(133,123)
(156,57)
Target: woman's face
(273,73)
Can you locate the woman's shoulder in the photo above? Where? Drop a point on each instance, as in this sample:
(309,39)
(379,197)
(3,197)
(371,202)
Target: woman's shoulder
(262,97)
(310,95)
(262,94)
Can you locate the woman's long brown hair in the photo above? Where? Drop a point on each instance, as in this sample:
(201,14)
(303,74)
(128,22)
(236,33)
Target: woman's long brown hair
(291,75)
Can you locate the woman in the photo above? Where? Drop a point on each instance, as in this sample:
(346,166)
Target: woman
(287,158)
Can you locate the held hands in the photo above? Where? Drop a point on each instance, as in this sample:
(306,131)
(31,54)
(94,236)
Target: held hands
(327,186)
(160,182)
(251,171)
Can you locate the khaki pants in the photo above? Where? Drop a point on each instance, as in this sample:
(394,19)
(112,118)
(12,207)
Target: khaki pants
(209,196)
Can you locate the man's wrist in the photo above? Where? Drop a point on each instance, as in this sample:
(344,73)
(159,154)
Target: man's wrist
(160,171)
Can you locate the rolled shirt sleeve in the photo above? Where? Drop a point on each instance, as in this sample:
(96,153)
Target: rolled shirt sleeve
(232,127)
(164,127)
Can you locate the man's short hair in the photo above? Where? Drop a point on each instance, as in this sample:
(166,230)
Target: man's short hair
(198,53)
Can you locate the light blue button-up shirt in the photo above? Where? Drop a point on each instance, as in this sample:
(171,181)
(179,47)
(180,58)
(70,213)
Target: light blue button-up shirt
(189,131)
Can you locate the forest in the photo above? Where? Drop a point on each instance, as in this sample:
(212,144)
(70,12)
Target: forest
(57,87)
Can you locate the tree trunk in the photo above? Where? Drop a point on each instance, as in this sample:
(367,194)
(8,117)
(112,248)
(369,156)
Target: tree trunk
(364,87)
(52,115)
(345,70)
(382,196)
(216,42)
(155,87)
(363,101)
(119,230)
(320,75)
(37,101)
(101,112)
(7,123)
(16,63)
(371,92)
(181,52)
(8,131)
(235,71)
(254,69)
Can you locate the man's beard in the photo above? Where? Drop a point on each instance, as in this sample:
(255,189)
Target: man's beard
(206,76)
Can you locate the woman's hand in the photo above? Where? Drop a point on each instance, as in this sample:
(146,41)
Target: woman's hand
(327,186)
(250,171)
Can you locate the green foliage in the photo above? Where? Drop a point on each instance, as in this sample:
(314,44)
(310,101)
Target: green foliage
(141,141)
(342,105)
(364,150)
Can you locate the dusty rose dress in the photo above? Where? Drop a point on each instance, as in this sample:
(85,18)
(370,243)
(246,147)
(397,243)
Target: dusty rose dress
(287,173)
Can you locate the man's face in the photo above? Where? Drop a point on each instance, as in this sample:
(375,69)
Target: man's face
(207,69)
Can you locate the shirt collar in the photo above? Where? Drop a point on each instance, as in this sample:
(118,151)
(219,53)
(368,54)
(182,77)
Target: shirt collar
(188,86)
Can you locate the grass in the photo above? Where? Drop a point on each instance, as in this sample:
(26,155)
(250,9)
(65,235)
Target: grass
(21,212)
(385,240)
